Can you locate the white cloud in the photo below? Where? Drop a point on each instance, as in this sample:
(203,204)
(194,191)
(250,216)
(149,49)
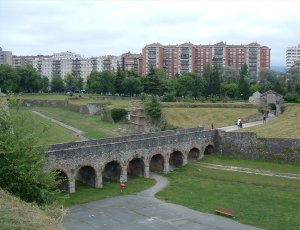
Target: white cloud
(112,27)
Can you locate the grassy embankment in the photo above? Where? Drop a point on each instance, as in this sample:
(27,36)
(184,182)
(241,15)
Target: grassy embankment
(93,126)
(46,132)
(16,214)
(220,117)
(285,126)
(263,201)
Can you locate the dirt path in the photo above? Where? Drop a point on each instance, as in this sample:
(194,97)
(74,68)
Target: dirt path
(249,170)
(77,132)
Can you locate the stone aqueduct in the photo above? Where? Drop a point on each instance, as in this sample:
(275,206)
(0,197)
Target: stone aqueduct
(90,161)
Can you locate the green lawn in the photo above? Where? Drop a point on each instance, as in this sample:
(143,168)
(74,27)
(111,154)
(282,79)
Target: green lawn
(285,126)
(255,164)
(93,126)
(266,202)
(85,193)
(46,132)
(192,117)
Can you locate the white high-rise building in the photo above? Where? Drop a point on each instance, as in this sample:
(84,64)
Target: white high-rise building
(292,55)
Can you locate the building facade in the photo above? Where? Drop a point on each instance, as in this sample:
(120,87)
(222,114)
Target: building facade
(292,55)
(131,62)
(5,57)
(187,57)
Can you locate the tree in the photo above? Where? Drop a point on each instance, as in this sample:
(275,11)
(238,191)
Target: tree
(207,76)
(30,80)
(152,82)
(57,84)
(93,82)
(23,163)
(244,85)
(106,82)
(132,86)
(120,76)
(231,89)
(215,80)
(70,83)
(153,109)
(9,80)
(45,84)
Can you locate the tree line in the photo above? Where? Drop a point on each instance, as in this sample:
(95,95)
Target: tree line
(216,82)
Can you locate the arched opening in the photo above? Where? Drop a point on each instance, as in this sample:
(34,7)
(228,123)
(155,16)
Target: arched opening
(63,180)
(157,163)
(176,159)
(87,175)
(136,167)
(193,155)
(112,171)
(209,150)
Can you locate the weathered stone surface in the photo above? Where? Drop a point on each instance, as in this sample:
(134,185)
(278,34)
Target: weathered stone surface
(162,151)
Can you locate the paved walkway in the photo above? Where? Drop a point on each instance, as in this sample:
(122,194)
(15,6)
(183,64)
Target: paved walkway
(77,132)
(144,212)
(246,125)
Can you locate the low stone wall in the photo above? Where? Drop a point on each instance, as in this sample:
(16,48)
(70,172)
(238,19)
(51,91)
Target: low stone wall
(89,108)
(77,144)
(247,145)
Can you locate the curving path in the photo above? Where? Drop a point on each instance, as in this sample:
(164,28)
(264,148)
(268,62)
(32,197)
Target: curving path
(144,212)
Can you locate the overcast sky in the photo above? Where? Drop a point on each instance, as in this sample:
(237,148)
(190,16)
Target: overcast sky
(95,28)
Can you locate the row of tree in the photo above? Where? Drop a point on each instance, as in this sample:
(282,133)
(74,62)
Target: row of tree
(226,81)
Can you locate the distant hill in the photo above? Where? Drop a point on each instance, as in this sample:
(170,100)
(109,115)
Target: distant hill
(280,69)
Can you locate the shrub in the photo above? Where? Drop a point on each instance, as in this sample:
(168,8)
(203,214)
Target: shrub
(118,114)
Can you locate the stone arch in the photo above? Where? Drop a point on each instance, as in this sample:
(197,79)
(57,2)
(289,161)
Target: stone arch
(87,175)
(209,150)
(136,167)
(176,159)
(112,171)
(157,163)
(193,155)
(63,180)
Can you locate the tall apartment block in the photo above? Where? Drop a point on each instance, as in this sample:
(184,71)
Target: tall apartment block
(292,55)
(187,57)
(5,57)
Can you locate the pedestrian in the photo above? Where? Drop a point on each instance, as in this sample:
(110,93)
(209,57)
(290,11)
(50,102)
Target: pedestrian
(212,125)
(238,123)
(264,119)
(241,124)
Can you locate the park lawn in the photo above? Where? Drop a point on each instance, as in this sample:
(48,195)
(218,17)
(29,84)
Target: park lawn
(280,167)
(93,126)
(285,126)
(85,193)
(262,201)
(220,117)
(45,132)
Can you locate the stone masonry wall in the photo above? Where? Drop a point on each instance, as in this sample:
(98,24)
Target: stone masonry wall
(247,145)
(77,144)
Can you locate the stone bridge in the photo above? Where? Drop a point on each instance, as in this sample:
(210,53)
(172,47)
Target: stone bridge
(91,161)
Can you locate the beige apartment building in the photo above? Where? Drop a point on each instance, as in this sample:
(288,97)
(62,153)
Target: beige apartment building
(5,57)
(292,56)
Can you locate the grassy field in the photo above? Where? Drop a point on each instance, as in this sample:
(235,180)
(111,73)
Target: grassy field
(85,193)
(46,132)
(92,125)
(192,117)
(266,202)
(16,214)
(257,164)
(285,126)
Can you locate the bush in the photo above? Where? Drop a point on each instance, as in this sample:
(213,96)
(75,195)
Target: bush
(118,114)
(153,109)
(143,96)
(213,98)
(169,97)
(292,98)
(22,163)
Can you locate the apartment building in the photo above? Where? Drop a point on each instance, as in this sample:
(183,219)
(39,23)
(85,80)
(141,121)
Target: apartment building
(292,55)
(5,57)
(187,57)
(131,62)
